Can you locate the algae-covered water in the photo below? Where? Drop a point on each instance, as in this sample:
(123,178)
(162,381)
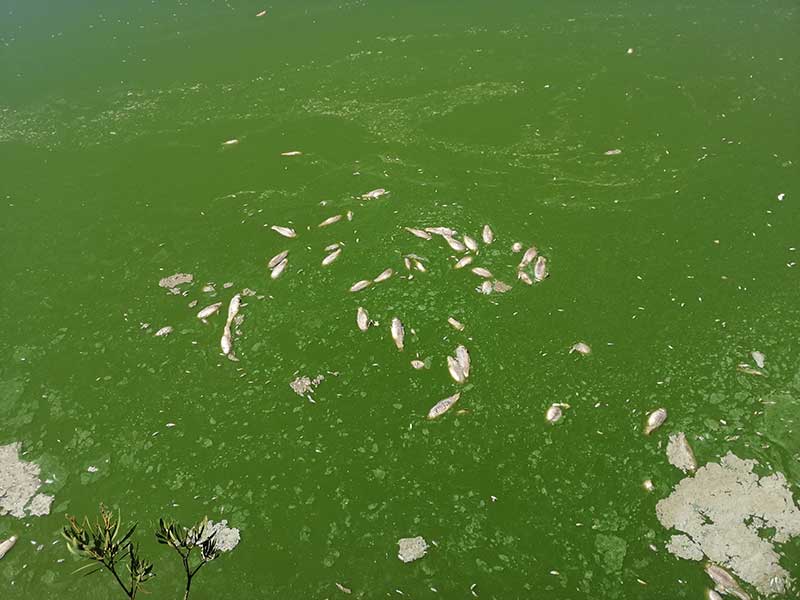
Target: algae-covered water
(673,259)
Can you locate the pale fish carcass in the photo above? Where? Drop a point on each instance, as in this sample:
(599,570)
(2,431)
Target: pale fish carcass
(232,142)
(291,153)
(277,258)
(417,364)
(209,311)
(374,194)
(455,324)
(384,275)
(655,420)
(748,370)
(407,263)
(455,244)
(7,545)
(420,233)
(470,243)
(332,247)
(329,258)
(501,287)
(540,269)
(226,343)
(279,268)
(398,333)
(330,221)
(647,484)
(555,412)
(443,406)
(360,285)
(164,331)
(524,278)
(349,215)
(455,370)
(233,307)
(443,231)
(725,582)
(481,272)
(487,234)
(758,358)
(485,287)
(362,319)
(463,262)
(419,266)
(462,356)
(516,247)
(713,595)
(284,231)
(581,348)
(528,257)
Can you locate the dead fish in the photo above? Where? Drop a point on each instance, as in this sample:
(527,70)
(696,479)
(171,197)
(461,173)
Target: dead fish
(524,278)
(284,231)
(485,287)
(419,233)
(462,356)
(225,343)
(273,262)
(360,285)
(279,268)
(500,286)
(331,257)
(516,247)
(372,195)
(164,331)
(233,307)
(193,303)
(230,142)
(463,262)
(7,545)
(470,243)
(208,288)
(581,348)
(455,370)
(227,285)
(332,247)
(481,272)
(343,589)
(725,582)
(398,333)
(384,276)
(456,324)
(655,420)
(540,269)
(487,234)
(209,310)
(261,13)
(528,257)
(748,370)
(613,152)
(758,358)
(443,231)
(648,485)
(443,406)
(713,595)
(407,262)
(330,221)
(554,413)
(454,244)
(362,319)
(349,215)
(291,153)
(419,266)
(417,364)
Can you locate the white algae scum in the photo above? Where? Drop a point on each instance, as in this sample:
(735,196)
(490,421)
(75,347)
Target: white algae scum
(734,518)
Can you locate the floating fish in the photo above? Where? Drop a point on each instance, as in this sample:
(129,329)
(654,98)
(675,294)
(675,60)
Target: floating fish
(417,364)
(516,247)
(420,233)
(554,413)
(481,272)
(227,285)
(487,234)
(462,356)
(343,589)
(648,485)
(500,286)
(470,243)
(330,221)
(725,582)
(540,269)
(758,358)
(208,288)
(279,268)
(398,333)
(528,257)
(443,406)
(455,244)
(485,287)
(463,262)
(164,331)
(7,545)
(261,14)
(407,262)
(655,420)
(456,324)
(331,247)
(284,231)
(209,310)
(748,370)
(372,195)
(418,265)
(360,285)
(443,231)
(362,319)
(613,152)
(233,307)
(524,277)
(384,276)
(455,370)
(331,257)
(581,348)
(349,215)
(225,343)
(230,142)
(713,595)
(291,153)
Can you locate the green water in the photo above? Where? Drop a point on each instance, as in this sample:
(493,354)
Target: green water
(673,260)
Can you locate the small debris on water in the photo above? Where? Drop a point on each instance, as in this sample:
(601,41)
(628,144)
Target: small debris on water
(411,549)
(261,14)
(175,280)
(516,247)
(455,324)
(291,153)
(343,589)
(759,358)
(613,152)
(648,485)
(230,142)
